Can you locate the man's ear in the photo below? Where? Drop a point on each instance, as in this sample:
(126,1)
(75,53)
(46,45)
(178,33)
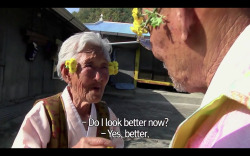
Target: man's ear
(65,74)
(186,18)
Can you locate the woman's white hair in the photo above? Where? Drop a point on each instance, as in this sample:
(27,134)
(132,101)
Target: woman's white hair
(75,44)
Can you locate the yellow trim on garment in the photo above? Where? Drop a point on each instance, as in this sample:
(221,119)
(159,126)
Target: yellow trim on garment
(190,125)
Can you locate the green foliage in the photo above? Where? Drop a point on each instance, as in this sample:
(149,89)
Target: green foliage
(153,18)
(92,15)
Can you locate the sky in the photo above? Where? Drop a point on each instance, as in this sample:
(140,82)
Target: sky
(72,9)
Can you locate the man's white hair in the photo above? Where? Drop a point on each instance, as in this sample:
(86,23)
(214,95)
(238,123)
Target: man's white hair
(75,44)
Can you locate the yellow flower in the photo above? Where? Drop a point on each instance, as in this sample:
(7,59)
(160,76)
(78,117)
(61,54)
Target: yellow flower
(115,63)
(139,26)
(137,23)
(71,65)
(113,68)
(135,11)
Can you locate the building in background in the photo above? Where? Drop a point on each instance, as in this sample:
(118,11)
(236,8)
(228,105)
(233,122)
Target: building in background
(136,63)
(29,42)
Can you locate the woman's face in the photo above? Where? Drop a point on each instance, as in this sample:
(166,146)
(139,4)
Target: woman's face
(91,77)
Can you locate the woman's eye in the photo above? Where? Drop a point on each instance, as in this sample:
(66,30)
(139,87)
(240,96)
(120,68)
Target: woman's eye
(88,65)
(105,67)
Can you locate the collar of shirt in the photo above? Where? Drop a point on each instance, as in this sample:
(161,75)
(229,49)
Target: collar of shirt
(76,129)
(232,69)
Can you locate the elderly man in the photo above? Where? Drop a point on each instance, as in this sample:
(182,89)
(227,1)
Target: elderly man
(208,50)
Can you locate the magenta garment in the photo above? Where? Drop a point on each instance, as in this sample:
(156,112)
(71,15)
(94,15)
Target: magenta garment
(232,78)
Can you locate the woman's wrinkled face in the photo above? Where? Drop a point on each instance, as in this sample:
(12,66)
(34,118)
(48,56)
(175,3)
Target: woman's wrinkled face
(91,77)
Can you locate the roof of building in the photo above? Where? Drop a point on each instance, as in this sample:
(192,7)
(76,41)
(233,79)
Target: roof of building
(69,17)
(112,28)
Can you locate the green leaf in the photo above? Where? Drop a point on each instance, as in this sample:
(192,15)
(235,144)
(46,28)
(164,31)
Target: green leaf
(156,21)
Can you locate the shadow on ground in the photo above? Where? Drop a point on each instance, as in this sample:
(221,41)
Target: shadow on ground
(139,103)
(144,104)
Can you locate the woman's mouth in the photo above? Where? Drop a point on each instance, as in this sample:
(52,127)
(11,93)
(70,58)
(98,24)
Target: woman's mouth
(97,88)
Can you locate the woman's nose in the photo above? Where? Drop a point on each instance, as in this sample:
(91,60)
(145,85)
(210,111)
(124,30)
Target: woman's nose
(98,76)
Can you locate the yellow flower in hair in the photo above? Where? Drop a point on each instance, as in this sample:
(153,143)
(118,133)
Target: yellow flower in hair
(71,65)
(113,68)
(140,27)
(135,11)
(115,63)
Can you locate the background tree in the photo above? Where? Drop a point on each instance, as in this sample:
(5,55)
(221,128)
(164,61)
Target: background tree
(92,15)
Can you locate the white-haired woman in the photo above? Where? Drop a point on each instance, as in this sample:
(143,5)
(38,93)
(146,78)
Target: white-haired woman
(63,120)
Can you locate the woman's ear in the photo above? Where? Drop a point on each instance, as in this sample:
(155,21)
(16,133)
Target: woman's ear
(65,74)
(186,18)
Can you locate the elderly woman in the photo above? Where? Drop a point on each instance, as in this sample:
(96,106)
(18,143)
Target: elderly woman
(62,120)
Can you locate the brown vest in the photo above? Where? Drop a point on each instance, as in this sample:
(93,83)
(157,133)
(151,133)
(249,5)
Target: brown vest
(55,112)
